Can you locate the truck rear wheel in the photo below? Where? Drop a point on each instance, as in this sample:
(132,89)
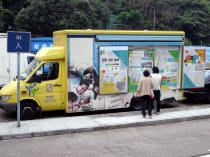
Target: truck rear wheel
(28,110)
(135,104)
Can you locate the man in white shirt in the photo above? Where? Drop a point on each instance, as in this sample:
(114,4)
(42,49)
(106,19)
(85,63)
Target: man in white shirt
(156,78)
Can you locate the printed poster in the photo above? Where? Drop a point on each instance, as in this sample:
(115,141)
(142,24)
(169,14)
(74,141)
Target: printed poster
(83,80)
(207,58)
(140,59)
(168,60)
(193,67)
(113,69)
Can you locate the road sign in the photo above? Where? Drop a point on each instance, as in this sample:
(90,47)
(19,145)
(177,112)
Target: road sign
(18,42)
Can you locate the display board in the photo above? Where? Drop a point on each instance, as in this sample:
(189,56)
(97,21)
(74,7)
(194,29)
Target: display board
(83,81)
(207,58)
(193,67)
(167,59)
(140,59)
(113,69)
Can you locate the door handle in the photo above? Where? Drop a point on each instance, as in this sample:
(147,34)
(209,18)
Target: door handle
(56,85)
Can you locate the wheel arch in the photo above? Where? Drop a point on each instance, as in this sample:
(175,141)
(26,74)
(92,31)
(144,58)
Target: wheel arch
(30,100)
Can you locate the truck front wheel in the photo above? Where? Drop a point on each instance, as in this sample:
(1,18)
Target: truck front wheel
(28,110)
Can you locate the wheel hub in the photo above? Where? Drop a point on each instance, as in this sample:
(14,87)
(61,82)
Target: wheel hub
(27,112)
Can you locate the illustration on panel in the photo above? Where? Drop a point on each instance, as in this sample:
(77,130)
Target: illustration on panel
(168,62)
(84,89)
(193,67)
(140,59)
(113,69)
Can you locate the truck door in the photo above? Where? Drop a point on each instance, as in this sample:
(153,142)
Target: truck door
(47,87)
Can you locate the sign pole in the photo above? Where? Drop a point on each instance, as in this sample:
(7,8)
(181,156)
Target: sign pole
(18,42)
(18,89)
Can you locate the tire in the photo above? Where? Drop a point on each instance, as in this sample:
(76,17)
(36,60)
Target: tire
(28,110)
(135,104)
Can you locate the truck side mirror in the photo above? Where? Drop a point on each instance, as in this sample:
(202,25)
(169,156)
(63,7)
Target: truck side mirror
(31,80)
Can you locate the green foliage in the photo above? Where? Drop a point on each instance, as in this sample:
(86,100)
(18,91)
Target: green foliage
(187,42)
(1,15)
(45,16)
(101,12)
(42,17)
(11,9)
(134,18)
(113,5)
(193,17)
(4,17)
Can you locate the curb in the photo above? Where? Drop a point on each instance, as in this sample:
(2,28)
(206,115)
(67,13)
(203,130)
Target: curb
(98,128)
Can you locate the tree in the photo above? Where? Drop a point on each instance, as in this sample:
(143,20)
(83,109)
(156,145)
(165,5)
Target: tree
(134,18)
(10,10)
(45,16)
(193,16)
(101,11)
(1,16)
(4,16)
(113,5)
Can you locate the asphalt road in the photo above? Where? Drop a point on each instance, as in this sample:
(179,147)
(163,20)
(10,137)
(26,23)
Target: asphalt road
(183,139)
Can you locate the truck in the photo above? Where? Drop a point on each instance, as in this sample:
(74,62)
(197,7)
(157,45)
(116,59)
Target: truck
(8,61)
(89,70)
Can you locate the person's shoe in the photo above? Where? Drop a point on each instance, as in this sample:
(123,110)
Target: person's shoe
(157,113)
(143,116)
(150,117)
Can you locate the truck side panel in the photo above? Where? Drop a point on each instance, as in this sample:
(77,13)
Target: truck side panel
(98,66)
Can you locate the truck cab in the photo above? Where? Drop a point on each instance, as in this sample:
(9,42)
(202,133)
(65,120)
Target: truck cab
(42,85)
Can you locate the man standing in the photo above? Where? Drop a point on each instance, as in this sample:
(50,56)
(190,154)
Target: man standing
(156,78)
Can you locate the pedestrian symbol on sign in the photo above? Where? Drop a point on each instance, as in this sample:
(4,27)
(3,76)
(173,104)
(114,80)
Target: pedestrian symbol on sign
(18,37)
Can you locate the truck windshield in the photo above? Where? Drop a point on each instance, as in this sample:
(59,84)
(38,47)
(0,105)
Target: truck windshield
(29,69)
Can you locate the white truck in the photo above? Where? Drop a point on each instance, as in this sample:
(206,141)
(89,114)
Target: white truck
(8,61)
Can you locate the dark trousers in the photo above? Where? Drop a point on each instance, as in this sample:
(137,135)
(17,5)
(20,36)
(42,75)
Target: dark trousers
(157,99)
(146,104)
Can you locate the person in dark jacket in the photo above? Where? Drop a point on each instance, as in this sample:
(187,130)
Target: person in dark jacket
(144,91)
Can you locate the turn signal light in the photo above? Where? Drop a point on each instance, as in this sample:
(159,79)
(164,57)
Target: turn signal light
(23,92)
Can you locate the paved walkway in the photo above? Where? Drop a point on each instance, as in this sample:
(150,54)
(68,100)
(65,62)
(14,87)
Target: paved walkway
(64,125)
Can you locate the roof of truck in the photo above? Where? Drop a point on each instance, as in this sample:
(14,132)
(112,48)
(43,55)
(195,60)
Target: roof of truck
(50,53)
(129,32)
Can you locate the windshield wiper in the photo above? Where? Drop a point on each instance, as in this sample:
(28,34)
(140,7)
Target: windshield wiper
(22,78)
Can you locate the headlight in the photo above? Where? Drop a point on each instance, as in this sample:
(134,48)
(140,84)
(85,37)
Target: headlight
(5,98)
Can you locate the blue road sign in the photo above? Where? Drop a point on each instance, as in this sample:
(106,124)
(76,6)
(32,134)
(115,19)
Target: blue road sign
(18,42)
